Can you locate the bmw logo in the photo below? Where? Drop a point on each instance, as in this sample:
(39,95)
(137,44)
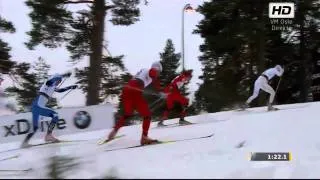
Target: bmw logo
(82,119)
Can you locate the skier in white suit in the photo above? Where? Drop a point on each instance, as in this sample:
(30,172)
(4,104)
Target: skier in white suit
(263,83)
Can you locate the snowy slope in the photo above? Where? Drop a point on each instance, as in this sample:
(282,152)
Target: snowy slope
(4,110)
(295,130)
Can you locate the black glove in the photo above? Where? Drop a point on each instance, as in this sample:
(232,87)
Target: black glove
(163,95)
(73,87)
(68,74)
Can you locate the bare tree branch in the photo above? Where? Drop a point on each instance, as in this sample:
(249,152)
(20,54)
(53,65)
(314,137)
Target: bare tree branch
(109,7)
(77,2)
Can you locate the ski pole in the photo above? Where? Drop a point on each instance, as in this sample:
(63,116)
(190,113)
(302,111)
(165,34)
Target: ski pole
(277,87)
(279,81)
(64,78)
(66,94)
(61,82)
(154,104)
(150,93)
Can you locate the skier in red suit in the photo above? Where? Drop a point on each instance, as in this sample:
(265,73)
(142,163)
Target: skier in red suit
(174,96)
(133,99)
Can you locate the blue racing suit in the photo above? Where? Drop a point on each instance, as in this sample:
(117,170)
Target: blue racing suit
(39,103)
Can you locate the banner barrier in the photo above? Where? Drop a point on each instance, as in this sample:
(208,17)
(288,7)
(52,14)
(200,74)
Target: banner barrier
(71,120)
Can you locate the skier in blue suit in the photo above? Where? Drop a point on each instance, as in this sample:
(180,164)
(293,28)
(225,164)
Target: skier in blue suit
(39,106)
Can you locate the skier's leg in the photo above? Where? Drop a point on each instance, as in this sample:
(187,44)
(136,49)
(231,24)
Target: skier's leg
(128,111)
(127,103)
(144,111)
(35,120)
(183,102)
(44,111)
(36,112)
(267,88)
(55,118)
(164,116)
(169,106)
(257,86)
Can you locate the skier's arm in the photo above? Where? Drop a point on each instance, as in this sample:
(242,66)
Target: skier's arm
(167,89)
(279,73)
(153,73)
(177,84)
(53,80)
(65,88)
(50,82)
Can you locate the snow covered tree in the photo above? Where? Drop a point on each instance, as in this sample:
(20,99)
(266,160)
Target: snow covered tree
(29,80)
(82,31)
(5,63)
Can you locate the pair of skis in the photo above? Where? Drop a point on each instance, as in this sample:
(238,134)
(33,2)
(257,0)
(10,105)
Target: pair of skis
(42,144)
(10,157)
(156,143)
(13,170)
(101,142)
(59,142)
(104,141)
(277,109)
(172,125)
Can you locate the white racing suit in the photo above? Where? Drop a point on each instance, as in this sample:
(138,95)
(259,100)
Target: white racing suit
(262,83)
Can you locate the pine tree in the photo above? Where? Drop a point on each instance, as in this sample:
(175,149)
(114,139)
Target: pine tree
(239,45)
(307,22)
(227,51)
(302,43)
(53,24)
(5,63)
(170,63)
(113,77)
(30,78)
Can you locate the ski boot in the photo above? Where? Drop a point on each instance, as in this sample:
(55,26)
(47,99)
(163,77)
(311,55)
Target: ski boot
(112,134)
(51,138)
(244,106)
(184,122)
(271,108)
(160,124)
(25,143)
(145,140)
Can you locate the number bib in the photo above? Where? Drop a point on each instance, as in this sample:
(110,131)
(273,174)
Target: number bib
(143,75)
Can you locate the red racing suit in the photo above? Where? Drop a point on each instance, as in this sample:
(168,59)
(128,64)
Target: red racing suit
(174,96)
(132,98)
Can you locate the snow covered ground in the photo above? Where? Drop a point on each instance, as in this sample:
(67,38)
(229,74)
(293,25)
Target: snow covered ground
(4,110)
(294,129)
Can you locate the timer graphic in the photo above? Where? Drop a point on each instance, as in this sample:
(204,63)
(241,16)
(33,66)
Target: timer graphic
(270,156)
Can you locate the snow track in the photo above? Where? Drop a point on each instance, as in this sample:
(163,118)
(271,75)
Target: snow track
(294,129)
